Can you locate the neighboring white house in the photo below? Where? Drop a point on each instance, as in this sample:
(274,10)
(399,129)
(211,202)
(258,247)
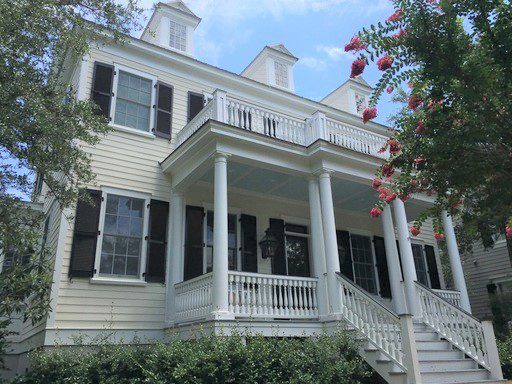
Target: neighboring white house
(226,201)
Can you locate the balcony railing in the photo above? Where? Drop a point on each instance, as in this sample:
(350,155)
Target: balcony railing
(293,129)
(453,297)
(250,295)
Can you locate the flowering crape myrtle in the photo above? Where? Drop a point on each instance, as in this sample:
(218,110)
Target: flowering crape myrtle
(449,63)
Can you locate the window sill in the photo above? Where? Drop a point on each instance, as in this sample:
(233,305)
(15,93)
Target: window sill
(117,281)
(132,130)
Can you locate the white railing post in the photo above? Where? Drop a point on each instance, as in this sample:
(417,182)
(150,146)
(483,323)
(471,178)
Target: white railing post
(455,262)
(410,353)
(318,127)
(492,350)
(220,106)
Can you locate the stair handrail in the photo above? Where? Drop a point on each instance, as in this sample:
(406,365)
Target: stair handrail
(379,325)
(457,326)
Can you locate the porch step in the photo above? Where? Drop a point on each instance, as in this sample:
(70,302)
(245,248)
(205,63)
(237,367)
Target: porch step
(437,345)
(459,376)
(447,365)
(444,354)
(426,336)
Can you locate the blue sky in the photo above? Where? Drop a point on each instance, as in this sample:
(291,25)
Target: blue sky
(232,32)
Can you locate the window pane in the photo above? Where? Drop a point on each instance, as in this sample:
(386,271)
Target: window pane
(363,262)
(133,104)
(178,36)
(122,239)
(297,255)
(419,263)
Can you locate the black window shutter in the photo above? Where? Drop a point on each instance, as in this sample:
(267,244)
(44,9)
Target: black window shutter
(345,254)
(102,87)
(157,241)
(163,110)
(195,104)
(382,266)
(432,267)
(85,236)
(249,244)
(193,242)
(279,259)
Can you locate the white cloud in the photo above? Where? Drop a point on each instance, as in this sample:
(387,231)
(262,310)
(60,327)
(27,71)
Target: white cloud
(313,63)
(335,53)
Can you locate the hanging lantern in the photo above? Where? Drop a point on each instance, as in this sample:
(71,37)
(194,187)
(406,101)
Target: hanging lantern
(268,245)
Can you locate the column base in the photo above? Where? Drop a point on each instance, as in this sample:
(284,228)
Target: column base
(222,315)
(331,317)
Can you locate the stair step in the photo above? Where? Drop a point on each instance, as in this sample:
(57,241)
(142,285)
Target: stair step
(460,376)
(426,336)
(447,365)
(433,345)
(444,354)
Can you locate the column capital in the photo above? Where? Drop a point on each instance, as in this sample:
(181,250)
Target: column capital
(323,172)
(220,156)
(177,192)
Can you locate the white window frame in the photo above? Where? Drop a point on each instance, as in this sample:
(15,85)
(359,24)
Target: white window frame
(181,25)
(278,63)
(147,76)
(301,222)
(231,211)
(105,191)
(365,101)
(370,235)
(427,271)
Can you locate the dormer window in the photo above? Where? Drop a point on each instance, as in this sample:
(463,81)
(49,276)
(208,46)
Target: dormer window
(281,71)
(360,103)
(178,36)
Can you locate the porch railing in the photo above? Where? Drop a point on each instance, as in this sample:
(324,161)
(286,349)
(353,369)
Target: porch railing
(193,298)
(453,297)
(271,296)
(458,327)
(379,325)
(294,129)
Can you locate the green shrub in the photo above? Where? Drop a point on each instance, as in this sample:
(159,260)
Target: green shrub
(206,359)
(505,351)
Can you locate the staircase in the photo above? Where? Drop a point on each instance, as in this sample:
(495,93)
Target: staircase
(445,346)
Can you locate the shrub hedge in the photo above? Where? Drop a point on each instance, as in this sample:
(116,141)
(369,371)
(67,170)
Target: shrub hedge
(206,359)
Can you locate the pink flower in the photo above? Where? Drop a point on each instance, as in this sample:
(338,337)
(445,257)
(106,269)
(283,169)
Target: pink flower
(405,198)
(400,33)
(357,68)
(394,146)
(438,236)
(376,183)
(389,89)
(508,231)
(355,44)
(390,197)
(375,212)
(384,63)
(369,114)
(419,160)
(414,231)
(395,16)
(414,102)
(421,128)
(387,170)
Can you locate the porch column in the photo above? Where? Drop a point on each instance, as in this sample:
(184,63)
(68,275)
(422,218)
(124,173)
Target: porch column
(317,245)
(409,269)
(330,242)
(174,264)
(392,258)
(455,262)
(220,238)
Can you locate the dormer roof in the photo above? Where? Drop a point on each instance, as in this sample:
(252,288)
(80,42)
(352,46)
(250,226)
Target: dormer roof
(281,48)
(182,7)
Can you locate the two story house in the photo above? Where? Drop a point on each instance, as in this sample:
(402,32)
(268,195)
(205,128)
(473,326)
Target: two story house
(226,202)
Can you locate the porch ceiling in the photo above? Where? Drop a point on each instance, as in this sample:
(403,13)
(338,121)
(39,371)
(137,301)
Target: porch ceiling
(347,194)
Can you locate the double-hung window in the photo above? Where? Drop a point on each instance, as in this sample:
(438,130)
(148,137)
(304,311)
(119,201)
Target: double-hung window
(281,72)
(420,264)
(178,36)
(133,101)
(123,226)
(297,250)
(363,262)
(233,246)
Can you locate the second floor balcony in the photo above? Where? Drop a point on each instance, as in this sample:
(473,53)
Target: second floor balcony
(229,109)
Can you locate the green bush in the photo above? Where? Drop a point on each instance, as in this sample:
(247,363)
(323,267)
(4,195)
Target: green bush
(505,351)
(206,359)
